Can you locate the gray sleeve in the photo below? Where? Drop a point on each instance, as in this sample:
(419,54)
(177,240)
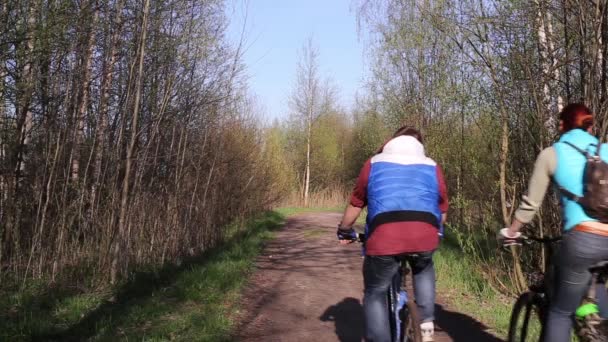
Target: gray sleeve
(544,167)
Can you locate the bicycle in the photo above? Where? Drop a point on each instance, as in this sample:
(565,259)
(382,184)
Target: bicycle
(403,313)
(535,301)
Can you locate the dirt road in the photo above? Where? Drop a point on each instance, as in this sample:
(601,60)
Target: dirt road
(307,287)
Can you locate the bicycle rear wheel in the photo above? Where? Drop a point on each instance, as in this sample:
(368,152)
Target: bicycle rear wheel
(588,325)
(410,324)
(526,319)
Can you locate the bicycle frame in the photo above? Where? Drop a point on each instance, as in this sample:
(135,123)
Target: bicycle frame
(547,274)
(544,291)
(587,321)
(397,300)
(535,299)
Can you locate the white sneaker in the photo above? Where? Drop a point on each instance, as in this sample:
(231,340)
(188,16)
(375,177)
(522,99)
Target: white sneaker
(428,330)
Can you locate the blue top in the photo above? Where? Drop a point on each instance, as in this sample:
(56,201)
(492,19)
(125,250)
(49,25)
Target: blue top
(405,189)
(570,170)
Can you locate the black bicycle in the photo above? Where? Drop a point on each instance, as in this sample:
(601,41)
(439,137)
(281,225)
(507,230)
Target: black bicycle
(403,313)
(530,310)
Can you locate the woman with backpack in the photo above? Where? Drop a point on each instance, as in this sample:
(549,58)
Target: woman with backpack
(582,188)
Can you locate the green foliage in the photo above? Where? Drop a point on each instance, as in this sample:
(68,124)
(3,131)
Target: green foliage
(462,280)
(330,137)
(278,161)
(330,143)
(369,133)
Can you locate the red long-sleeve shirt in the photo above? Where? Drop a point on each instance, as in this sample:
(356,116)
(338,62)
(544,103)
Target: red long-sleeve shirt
(399,237)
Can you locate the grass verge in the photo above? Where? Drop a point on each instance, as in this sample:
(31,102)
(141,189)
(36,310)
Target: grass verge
(193,301)
(460,281)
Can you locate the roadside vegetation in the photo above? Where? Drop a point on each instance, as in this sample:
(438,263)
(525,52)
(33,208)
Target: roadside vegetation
(196,299)
(129,142)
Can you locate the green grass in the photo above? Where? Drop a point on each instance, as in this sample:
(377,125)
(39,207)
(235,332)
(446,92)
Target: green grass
(194,301)
(461,282)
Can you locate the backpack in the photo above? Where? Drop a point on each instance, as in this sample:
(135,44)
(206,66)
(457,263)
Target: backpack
(595,186)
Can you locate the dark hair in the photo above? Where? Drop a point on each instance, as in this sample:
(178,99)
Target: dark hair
(576,115)
(404,130)
(408,130)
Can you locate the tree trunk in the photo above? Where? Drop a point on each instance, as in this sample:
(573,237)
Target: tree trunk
(26,89)
(308,142)
(567,53)
(551,73)
(102,120)
(87,60)
(556,71)
(504,152)
(4,184)
(122,220)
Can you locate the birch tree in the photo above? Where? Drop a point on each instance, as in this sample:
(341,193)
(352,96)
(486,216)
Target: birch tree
(305,101)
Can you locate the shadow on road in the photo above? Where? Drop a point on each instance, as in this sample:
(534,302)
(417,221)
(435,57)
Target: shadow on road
(461,327)
(347,316)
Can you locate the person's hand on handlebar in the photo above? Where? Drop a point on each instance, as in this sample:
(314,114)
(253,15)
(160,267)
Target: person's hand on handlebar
(346,235)
(509,238)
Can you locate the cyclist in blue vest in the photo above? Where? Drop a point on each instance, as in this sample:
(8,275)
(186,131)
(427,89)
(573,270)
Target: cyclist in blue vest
(406,199)
(585,240)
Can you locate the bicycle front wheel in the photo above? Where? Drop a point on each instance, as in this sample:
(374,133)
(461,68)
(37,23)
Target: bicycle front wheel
(526,319)
(410,324)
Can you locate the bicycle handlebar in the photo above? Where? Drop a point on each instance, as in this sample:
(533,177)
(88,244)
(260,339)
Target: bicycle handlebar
(361,237)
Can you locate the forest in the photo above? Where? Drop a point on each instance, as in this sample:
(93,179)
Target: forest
(129,137)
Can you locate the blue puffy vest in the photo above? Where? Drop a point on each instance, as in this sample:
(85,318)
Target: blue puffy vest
(400,191)
(569,172)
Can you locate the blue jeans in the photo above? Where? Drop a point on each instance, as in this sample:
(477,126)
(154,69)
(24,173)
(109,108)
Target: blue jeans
(578,251)
(378,272)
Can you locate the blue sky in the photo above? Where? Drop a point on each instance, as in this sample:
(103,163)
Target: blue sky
(275,32)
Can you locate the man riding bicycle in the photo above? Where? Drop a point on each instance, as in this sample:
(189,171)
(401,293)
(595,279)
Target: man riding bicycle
(406,197)
(585,239)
